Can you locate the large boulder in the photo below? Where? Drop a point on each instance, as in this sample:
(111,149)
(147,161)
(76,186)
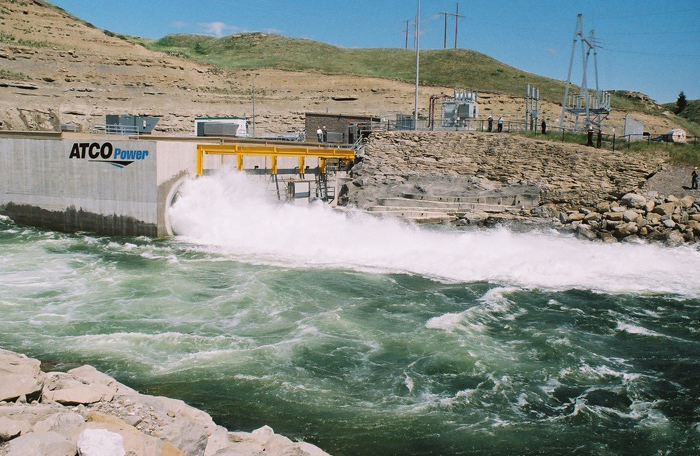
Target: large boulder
(94,377)
(20,377)
(69,389)
(630,216)
(41,444)
(37,418)
(180,424)
(665,208)
(100,442)
(633,201)
(585,232)
(132,440)
(674,238)
(687,201)
(277,445)
(9,428)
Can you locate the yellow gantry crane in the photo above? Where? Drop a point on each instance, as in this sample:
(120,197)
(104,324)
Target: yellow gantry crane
(273,151)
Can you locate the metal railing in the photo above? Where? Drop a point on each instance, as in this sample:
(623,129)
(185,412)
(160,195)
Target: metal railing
(122,130)
(462,125)
(608,141)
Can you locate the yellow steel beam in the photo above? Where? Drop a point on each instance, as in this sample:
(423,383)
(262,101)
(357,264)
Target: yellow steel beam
(271,151)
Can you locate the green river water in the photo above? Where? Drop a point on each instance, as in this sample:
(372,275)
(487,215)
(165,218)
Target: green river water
(368,336)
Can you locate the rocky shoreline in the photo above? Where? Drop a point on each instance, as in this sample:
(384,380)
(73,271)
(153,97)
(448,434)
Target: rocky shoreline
(87,413)
(652,217)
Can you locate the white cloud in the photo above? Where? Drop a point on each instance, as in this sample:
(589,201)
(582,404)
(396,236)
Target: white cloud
(218,29)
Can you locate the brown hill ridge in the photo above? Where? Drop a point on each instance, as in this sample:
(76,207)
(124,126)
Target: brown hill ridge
(57,70)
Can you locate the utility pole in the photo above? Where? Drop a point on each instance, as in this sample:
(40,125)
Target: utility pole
(444,43)
(457,16)
(254,74)
(406,47)
(415,110)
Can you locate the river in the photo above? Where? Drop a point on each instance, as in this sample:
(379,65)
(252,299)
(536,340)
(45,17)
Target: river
(368,336)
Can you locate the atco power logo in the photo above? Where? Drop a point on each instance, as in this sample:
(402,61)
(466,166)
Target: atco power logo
(106,153)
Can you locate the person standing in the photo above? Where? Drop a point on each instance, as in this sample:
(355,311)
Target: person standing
(490,124)
(319,134)
(695,177)
(544,127)
(325,134)
(500,124)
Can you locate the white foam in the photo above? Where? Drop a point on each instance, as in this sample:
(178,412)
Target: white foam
(635,329)
(231,214)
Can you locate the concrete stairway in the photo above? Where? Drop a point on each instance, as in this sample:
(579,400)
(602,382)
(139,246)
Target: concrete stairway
(436,209)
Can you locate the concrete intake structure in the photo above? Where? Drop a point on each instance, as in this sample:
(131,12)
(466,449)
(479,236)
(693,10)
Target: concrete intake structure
(112,185)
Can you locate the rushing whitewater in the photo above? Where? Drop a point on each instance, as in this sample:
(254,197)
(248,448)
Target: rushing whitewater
(370,336)
(237,216)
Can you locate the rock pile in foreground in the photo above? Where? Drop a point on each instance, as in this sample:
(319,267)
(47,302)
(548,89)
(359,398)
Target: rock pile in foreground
(87,413)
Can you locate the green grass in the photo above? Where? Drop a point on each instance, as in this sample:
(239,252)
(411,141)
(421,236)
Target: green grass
(450,67)
(678,153)
(626,101)
(13,76)
(691,111)
(685,154)
(444,67)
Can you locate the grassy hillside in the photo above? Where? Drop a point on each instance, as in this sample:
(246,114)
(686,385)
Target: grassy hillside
(460,67)
(691,112)
(444,67)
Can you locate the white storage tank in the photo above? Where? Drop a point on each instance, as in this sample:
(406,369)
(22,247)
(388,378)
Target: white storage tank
(677,135)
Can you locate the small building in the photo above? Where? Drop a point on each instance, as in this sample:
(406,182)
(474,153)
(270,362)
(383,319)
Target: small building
(341,129)
(128,124)
(221,126)
(634,130)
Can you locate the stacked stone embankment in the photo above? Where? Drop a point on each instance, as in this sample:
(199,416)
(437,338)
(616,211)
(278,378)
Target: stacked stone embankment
(87,413)
(653,217)
(475,178)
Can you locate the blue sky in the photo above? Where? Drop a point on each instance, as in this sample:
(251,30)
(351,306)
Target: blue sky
(650,46)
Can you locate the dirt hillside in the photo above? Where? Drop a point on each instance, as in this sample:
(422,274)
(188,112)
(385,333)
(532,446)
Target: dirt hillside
(56,69)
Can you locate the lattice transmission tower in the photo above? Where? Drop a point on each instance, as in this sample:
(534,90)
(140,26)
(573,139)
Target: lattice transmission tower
(593,104)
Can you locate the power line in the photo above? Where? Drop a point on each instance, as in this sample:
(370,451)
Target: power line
(668,32)
(652,54)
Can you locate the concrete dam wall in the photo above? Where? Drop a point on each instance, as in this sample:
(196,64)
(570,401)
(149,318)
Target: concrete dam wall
(110,185)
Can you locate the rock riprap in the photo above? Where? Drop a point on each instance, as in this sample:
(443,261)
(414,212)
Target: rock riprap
(474,178)
(653,217)
(87,413)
